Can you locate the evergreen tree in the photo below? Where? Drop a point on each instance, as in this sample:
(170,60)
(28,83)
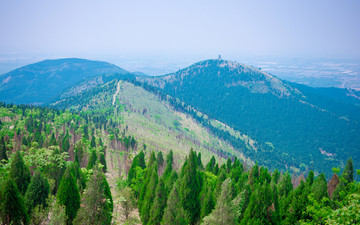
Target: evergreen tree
(319,189)
(190,186)
(12,207)
(157,208)
(3,155)
(68,194)
(102,160)
(93,142)
(96,204)
(348,173)
(92,159)
(37,192)
(174,213)
(20,173)
(149,195)
(224,209)
(211,164)
(160,159)
(310,178)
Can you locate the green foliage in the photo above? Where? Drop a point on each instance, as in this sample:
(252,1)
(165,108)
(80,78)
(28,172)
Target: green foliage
(37,192)
(68,194)
(127,201)
(12,207)
(190,187)
(348,173)
(174,213)
(224,209)
(92,160)
(3,155)
(102,161)
(348,214)
(96,202)
(20,173)
(157,208)
(149,195)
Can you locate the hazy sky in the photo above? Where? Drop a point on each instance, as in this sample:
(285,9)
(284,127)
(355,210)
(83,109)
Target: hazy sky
(89,28)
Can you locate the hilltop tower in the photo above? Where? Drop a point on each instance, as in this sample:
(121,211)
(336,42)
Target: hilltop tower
(219,57)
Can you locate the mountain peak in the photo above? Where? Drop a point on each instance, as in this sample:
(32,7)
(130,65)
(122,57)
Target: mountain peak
(231,74)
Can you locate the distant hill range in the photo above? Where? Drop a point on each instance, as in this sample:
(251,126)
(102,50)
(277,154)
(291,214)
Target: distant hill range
(39,82)
(277,123)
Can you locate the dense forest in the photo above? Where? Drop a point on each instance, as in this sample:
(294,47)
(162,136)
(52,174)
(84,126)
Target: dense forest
(294,125)
(54,171)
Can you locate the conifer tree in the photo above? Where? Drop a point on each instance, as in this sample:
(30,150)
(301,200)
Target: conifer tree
(211,164)
(37,192)
(92,159)
(157,208)
(319,189)
(348,173)
(224,209)
(96,204)
(3,155)
(20,173)
(12,207)
(68,194)
(93,142)
(190,186)
(174,213)
(149,195)
(102,160)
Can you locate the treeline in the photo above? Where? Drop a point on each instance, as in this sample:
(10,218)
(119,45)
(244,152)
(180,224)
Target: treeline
(52,165)
(233,194)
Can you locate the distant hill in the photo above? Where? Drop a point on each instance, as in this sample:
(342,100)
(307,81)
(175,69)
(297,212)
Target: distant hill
(294,125)
(39,82)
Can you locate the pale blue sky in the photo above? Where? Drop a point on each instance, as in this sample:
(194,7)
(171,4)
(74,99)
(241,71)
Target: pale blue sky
(105,29)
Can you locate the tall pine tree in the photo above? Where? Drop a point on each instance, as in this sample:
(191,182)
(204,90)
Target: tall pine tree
(20,173)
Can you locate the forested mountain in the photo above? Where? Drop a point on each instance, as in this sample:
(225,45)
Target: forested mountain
(113,150)
(294,126)
(38,83)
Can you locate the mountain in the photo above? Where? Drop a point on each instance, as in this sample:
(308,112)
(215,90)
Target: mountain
(294,126)
(38,83)
(152,119)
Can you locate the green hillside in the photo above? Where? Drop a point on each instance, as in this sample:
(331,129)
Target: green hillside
(294,126)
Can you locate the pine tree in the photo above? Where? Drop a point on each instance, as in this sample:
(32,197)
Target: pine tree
(20,173)
(3,155)
(102,160)
(12,207)
(224,209)
(93,142)
(92,159)
(157,208)
(37,192)
(174,213)
(190,186)
(68,194)
(348,173)
(149,195)
(320,188)
(210,165)
(96,204)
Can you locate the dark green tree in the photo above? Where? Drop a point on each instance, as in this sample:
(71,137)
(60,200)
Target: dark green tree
(37,192)
(224,209)
(93,142)
(211,164)
(348,173)
(12,207)
(190,187)
(174,213)
(20,173)
(3,155)
(92,159)
(149,195)
(96,204)
(157,208)
(68,194)
(102,160)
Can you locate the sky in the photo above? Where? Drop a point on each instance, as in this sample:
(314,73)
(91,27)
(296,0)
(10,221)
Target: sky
(194,29)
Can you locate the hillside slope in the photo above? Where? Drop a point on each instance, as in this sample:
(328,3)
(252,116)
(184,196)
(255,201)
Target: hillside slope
(38,83)
(152,121)
(294,126)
